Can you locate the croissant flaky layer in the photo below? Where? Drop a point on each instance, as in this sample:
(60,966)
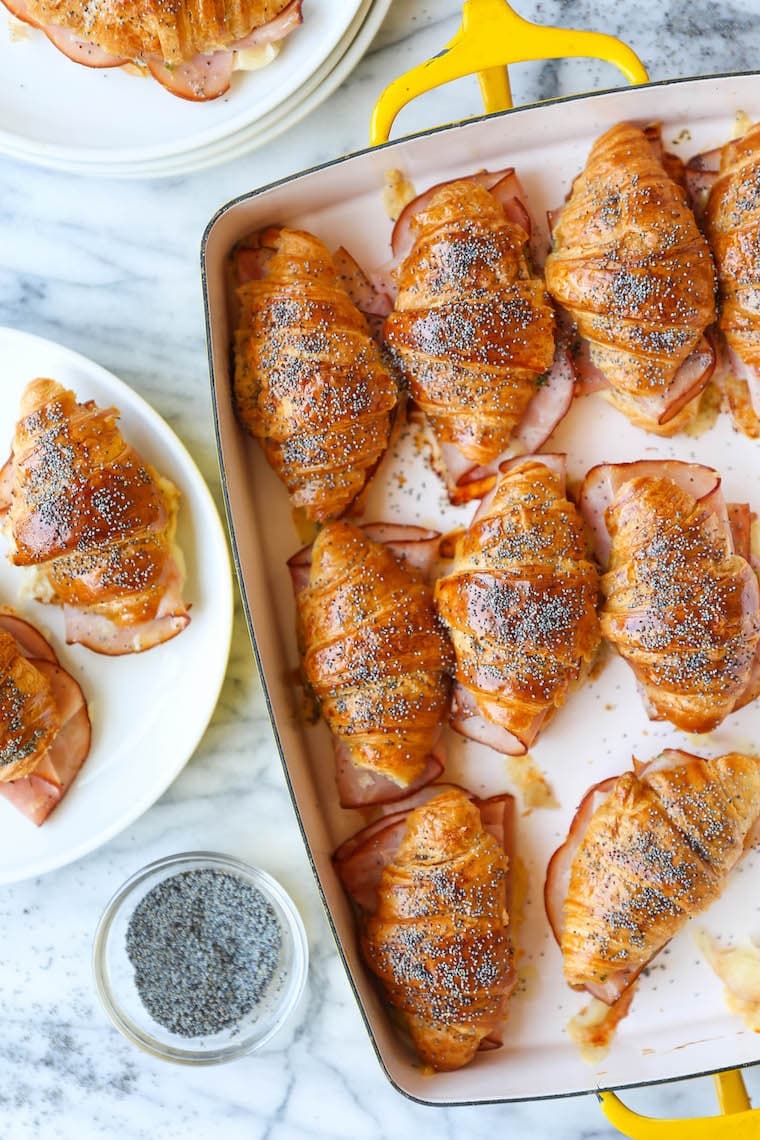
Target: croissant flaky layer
(472,330)
(680,605)
(29,718)
(732,218)
(656,851)
(520,601)
(170,30)
(95,522)
(438,940)
(373,653)
(631,267)
(309,381)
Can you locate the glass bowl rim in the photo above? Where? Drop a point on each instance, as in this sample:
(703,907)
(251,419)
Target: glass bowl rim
(271,888)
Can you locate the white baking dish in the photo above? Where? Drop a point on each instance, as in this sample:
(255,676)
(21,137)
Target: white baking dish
(679,1024)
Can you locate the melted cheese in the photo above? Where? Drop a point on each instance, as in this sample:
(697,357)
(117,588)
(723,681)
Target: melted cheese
(253,59)
(738,967)
(398,192)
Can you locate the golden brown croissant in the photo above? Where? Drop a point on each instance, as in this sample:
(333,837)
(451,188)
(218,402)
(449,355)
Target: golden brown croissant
(732,216)
(432,886)
(519,603)
(681,606)
(646,852)
(309,381)
(376,659)
(95,522)
(191,48)
(472,329)
(44,725)
(632,269)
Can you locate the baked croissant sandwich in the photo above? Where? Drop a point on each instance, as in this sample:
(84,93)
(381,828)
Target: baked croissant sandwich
(431,887)
(634,273)
(190,48)
(731,218)
(44,724)
(309,381)
(93,523)
(519,602)
(681,600)
(374,656)
(473,328)
(647,851)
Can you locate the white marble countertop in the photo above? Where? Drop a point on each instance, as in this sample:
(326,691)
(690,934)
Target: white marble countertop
(111,269)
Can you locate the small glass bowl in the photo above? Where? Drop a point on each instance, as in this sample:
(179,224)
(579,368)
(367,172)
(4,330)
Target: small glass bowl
(114,973)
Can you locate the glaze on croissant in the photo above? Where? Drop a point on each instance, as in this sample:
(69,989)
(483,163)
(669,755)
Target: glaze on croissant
(309,380)
(646,852)
(186,45)
(377,660)
(732,217)
(519,603)
(473,329)
(95,524)
(437,937)
(44,724)
(632,269)
(681,606)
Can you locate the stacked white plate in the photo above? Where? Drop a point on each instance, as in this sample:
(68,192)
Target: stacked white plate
(111,123)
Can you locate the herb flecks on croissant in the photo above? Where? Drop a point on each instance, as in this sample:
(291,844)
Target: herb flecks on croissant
(434,920)
(309,381)
(732,218)
(519,602)
(377,660)
(681,606)
(94,523)
(646,852)
(632,269)
(472,329)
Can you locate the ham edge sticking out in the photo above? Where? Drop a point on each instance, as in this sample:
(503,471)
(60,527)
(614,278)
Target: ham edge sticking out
(36,795)
(417,548)
(198,79)
(361,859)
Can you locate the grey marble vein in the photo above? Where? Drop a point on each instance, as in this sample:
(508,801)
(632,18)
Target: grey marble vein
(110,269)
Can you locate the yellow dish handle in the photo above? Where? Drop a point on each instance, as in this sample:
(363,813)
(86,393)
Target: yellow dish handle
(492,36)
(738,1121)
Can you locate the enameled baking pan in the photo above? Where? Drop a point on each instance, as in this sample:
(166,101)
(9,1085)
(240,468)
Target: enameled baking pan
(680,1025)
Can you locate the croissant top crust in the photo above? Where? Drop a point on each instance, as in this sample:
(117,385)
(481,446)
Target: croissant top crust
(28,715)
(172,30)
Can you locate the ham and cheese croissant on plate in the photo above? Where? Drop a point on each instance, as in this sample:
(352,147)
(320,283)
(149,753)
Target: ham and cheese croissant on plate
(374,656)
(519,602)
(634,273)
(309,380)
(647,851)
(44,724)
(731,219)
(681,600)
(432,889)
(473,328)
(191,48)
(93,523)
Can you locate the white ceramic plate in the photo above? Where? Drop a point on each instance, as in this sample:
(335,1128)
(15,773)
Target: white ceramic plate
(679,1023)
(54,109)
(149,710)
(311,95)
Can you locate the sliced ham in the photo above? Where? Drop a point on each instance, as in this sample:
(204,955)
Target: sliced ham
(6,486)
(750,376)
(701,174)
(740,521)
(30,641)
(503,184)
(251,263)
(417,798)
(274,30)
(603,482)
(469,721)
(415,546)
(19,9)
(89,55)
(360,861)
(38,794)
(360,289)
(360,787)
(100,634)
(199,79)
